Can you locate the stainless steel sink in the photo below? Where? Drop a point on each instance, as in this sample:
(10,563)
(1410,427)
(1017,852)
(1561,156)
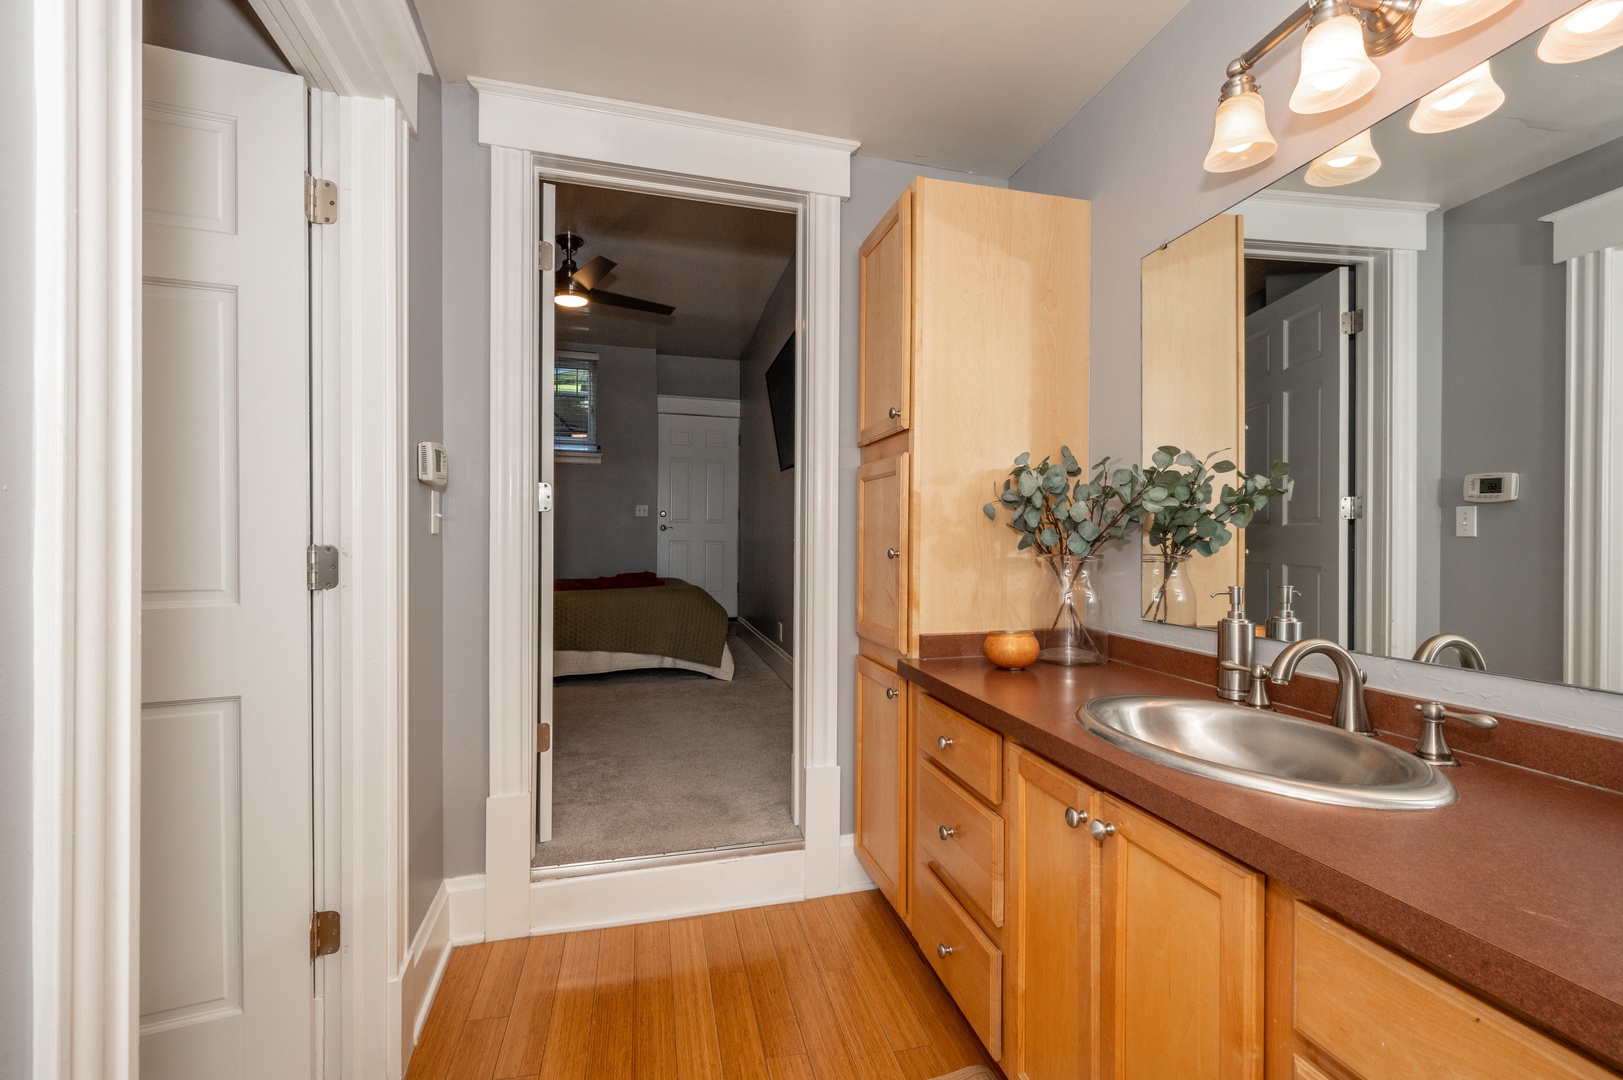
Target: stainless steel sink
(1267,751)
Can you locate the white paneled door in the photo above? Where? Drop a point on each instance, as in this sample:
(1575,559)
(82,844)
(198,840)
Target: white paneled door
(698,503)
(225,981)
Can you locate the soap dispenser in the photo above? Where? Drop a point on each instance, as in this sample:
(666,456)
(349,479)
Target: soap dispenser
(1283,625)
(1236,636)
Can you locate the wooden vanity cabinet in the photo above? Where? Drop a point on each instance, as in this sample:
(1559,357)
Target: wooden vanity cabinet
(885,314)
(883,790)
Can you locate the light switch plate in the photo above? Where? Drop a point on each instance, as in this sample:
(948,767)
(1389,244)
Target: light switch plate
(1465,521)
(642,510)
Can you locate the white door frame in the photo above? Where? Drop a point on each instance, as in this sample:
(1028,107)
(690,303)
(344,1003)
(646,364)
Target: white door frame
(537,135)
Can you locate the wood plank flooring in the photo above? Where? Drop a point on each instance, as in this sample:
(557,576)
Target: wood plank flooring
(828,989)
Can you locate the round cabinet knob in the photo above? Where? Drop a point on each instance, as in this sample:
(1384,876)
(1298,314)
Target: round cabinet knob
(891,692)
(892,553)
(946,832)
(943,743)
(1101,829)
(895,413)
(1075,818)
(943,951)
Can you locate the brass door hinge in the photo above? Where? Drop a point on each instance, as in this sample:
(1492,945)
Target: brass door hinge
(320,201)
(543,738)
(325,934)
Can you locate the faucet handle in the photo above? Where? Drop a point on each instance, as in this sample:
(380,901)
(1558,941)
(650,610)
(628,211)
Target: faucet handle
(1258,697)
(1433,746)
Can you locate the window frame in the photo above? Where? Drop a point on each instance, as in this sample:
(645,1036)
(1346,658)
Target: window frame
(589,450)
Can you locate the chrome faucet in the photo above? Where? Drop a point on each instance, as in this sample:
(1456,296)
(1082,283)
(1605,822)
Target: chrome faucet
(1433,647)
(1351,713)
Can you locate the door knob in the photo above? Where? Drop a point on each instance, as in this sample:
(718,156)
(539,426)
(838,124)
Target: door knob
(892,553)
(1074,817)
(895,413)
(946,832)
(1101,829)
(663,526)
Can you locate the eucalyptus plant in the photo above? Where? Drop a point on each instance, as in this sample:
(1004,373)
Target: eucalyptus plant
(1058,514)
(1185,518)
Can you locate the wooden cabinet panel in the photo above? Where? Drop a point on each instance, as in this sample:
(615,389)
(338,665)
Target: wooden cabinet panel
(882,786)
(1182,938)
(971,753)
(1382,1017)
(1051,932)
(882,551)
(961,837)
(965,959)
(885,344)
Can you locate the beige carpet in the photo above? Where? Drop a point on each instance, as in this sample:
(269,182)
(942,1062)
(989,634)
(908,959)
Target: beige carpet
(667,762)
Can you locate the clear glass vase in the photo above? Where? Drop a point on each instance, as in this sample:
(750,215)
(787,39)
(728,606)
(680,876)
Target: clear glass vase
(1077,636)
(1170,598)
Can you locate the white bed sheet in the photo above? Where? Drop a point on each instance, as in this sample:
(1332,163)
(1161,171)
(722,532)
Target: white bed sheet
(595,663)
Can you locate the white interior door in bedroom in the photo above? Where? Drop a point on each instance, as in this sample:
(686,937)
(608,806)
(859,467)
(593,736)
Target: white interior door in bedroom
(226,848)
(698,504)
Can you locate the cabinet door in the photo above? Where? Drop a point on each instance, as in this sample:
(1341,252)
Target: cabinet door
(882,555)
(885,349)
(1051,932)
(1182,945)
(882,779)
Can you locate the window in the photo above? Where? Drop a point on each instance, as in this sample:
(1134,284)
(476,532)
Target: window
(574,404)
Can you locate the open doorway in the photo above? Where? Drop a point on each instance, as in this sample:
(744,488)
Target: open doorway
(673,554)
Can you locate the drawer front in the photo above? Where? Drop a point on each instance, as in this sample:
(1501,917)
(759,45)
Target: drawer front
(1380,1015)
(962,838)
(969,752)
(969,965)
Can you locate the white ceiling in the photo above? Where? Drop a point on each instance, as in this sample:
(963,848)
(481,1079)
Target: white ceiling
(956,84)
(717,265)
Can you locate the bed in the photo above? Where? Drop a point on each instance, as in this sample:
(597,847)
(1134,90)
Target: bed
(635,621)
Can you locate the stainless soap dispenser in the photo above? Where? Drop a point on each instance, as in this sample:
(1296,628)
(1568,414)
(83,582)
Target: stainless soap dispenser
(1236,637)
(1283,625)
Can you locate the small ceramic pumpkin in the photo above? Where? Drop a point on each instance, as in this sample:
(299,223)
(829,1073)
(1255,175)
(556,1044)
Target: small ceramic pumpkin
(1011,649)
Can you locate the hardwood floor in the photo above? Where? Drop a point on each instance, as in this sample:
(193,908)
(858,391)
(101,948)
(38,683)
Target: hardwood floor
(828,989)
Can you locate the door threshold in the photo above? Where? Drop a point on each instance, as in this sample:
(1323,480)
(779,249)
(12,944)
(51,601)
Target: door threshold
(648,862)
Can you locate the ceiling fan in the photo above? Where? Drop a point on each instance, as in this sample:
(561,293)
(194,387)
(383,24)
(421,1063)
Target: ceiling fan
(575,287)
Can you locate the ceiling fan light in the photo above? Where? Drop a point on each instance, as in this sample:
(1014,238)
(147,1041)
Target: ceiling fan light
(1336,69)
(1458,102)
(1591,31)
(1437,18)
(1240,136)
(567,294)
(1348,163)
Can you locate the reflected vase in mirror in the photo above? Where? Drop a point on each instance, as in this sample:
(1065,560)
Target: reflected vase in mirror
(1077,636)
(1167,583)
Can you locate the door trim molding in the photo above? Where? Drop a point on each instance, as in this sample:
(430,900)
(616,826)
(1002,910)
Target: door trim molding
(354,48)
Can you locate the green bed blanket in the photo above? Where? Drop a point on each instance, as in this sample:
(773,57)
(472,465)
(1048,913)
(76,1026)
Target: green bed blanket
(675,619)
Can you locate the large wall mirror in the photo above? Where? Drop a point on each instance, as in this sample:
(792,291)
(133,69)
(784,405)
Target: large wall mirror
(1429,328)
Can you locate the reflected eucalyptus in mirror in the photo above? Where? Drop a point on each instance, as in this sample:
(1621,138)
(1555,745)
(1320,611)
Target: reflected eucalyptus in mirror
(1185,519)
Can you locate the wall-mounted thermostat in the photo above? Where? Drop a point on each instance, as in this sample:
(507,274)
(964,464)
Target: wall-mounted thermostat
(1491,487)
(433,467)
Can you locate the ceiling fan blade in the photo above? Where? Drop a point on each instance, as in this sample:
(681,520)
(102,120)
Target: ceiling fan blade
(608,299)
(593,272)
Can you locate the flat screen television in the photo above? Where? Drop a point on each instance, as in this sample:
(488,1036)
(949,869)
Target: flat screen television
(780,397)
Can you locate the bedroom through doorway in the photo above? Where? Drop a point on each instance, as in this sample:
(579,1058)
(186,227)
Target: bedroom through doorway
(673,554)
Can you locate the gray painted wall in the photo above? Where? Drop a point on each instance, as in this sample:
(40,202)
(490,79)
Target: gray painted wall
(1504,388)
(466,540)
(16,534)
(223,29)
(595,523)
(766,494)
(424,551)
(698,376)
(1136,152)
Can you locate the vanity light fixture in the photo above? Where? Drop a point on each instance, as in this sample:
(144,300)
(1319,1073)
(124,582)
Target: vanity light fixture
(1348,163)
(1240,138)
(1336,69)
(1458,102)
(1437,18)
(1591,31)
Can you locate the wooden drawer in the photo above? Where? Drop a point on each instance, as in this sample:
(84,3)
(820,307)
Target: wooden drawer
(962,838)
(972,967)
(962,747)
(1381,1016)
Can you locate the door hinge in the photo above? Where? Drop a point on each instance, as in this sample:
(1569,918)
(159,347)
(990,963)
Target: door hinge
(543,496)
(543,257)
(1352,507)
(320,201)
(543,738)
(1352,322)
(325,933)
(321,567)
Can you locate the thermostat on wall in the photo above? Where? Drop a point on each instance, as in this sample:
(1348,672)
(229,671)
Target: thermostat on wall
(1492,487)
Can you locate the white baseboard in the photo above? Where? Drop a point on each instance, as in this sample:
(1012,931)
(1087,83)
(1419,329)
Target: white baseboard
(425,966)
(666,892)
(467,906)
(781,663)
(853,877)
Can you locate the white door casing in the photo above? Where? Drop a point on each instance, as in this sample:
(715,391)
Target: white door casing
(547,568)
(1296,411)
(697,526)
(226,750)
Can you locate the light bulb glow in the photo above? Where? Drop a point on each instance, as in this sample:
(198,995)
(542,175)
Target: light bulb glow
(1592,30)
(1439,17)
(569,300)
(1342,162)
(1348,163)
(1336,70)
(1458,102)
(1240,135)
(1587,20)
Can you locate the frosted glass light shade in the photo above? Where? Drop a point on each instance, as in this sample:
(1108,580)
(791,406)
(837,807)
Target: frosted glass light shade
(1336,70)
(1458,102)
(1592,30)
(1439,17)
(1348,163)
(1240,137)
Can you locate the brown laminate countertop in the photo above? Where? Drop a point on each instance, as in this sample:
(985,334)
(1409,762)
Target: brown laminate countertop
(1516,890)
